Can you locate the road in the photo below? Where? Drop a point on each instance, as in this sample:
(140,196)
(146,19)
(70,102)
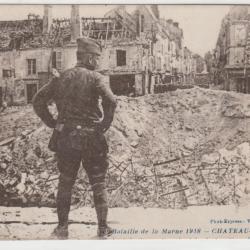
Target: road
(129,223)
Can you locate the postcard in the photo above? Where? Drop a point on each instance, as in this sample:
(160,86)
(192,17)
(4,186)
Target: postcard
(124,122)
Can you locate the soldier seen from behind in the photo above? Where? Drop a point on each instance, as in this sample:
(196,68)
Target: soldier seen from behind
(79,131)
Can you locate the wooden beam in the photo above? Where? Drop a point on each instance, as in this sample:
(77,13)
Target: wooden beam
(106,38)
(7,141)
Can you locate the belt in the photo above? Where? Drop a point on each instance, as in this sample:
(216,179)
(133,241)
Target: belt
(81,128)
(75,124)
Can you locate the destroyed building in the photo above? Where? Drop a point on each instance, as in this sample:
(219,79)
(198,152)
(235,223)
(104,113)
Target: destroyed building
(232,53)
(29,49)
(142,52)
(124,58)
(189,65)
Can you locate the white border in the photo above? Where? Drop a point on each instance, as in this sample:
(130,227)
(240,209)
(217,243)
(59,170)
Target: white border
(127,244)
(227,2)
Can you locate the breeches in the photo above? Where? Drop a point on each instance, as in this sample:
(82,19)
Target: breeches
(93,156)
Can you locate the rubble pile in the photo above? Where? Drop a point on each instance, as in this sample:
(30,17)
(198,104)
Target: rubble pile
(172,150)
(17,120)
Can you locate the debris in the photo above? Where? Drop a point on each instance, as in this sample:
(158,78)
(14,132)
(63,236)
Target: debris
(210,159)
(146,150)
(139,132)
(176,191)
(167,161)
(190,144)
(20,188)
(7,141)
(134,144)
(3,165)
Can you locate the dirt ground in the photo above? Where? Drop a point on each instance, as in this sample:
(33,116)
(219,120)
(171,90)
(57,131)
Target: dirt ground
(173,150)
(129,223)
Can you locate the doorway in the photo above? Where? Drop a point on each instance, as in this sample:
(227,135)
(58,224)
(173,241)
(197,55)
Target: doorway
(123,84)
(1,96)
(248,85)
(31,90)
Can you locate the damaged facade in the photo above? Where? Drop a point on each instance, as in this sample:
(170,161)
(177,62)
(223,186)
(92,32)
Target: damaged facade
(232,53)
(160,56)
(29,49)
(142,53)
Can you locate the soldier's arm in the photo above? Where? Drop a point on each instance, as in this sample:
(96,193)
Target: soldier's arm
(108,102)
(40,103)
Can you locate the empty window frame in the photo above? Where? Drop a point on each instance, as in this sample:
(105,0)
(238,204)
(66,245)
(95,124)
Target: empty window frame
(121,57)
(7,73)
(57,60)
(31,66)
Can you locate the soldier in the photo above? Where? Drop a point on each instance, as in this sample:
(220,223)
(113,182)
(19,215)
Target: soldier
(79,131)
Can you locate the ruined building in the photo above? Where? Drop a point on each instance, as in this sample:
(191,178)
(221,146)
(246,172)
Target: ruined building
(142,52)
(29,49)
(232,52)
(124,58)
(157,46)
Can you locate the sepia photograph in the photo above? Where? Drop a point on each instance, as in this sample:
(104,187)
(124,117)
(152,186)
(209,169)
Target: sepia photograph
(124,122)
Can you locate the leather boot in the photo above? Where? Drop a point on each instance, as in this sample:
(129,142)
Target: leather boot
(60,232)
(63,206)
(103,230)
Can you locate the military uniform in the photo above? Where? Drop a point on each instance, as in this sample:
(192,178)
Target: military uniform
(79,131)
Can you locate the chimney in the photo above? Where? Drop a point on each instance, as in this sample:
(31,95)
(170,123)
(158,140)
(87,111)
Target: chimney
(75,23)
(170,21)
(176,24)
(47,18)
(155,10)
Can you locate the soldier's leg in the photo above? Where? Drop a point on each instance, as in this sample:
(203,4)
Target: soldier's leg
(96,165)
(96,169)
(68,165)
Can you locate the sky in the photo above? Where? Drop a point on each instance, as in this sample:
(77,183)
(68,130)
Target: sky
(200,23)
